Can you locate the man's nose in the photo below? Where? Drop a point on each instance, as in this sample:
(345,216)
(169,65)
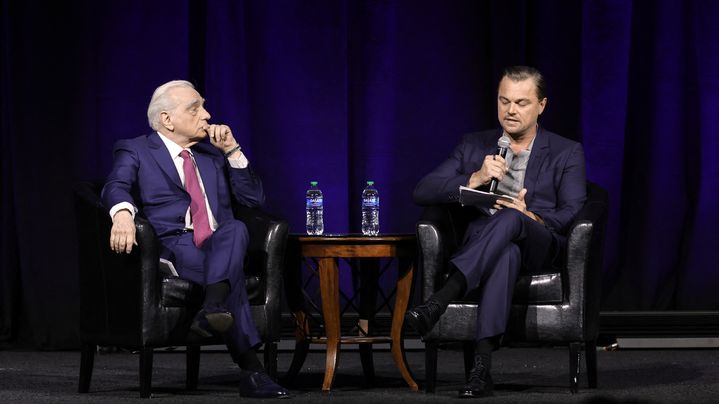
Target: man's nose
(207,114)
(512,108)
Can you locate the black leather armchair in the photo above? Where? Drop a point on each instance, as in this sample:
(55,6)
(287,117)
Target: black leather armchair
(127,301)
(556,307)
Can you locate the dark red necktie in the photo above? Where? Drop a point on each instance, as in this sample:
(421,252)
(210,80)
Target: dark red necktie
(198,209)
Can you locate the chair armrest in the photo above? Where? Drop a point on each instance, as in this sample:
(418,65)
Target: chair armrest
(431,257)
(436,238)
(585,245)
(266,254)
(158,321)
(149,256)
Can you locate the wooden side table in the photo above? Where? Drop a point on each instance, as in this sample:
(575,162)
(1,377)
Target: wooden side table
(327,250)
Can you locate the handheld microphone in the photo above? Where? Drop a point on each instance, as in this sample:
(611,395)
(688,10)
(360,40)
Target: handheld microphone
(502,145)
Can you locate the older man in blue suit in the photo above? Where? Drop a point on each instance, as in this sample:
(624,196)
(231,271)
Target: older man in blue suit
(545,174)
(184,188)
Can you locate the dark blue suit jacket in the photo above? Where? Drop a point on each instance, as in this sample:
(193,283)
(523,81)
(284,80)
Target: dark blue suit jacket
(555,177)
(143,174)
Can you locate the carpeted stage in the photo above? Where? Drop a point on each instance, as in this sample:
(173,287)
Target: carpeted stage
(521,374)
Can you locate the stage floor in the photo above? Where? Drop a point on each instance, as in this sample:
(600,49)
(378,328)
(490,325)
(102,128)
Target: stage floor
(522,375)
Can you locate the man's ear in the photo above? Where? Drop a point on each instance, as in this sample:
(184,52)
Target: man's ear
(166,121)
(542,104)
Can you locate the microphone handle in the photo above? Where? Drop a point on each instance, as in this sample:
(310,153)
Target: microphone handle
(493,185)
(502,151)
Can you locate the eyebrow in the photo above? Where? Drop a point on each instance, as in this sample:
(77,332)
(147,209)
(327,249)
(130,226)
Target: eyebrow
(195,102)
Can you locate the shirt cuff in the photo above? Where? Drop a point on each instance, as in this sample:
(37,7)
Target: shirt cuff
(240,162)
(123,205)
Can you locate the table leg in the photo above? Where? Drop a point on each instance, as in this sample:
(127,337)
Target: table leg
(366,353)
(369,282)
(404,285)
(302,346)
(330,292)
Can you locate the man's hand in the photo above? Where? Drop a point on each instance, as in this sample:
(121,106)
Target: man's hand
(493,167)
(518,204)
(122,234)
(221,137)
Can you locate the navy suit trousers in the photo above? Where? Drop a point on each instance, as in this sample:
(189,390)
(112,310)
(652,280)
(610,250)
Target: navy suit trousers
(495,249)
(221,258)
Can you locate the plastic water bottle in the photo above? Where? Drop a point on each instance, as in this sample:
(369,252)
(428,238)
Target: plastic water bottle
(370,210)
(315,220)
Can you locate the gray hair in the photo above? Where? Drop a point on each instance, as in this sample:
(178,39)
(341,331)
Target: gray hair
(161,102)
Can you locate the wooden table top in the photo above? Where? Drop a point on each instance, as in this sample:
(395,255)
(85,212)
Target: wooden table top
(354,238)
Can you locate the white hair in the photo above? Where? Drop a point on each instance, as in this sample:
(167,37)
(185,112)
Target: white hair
(161,102)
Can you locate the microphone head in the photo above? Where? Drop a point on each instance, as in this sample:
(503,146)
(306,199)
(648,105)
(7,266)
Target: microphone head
(503,142)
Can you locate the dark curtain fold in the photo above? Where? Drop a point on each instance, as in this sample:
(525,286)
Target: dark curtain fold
(347,91)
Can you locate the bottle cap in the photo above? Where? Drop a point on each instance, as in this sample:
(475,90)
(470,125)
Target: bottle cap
(313,183)
(370,182)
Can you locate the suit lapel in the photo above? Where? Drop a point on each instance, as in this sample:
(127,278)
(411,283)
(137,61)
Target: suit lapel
(536,159)
(162,157)
(208,172)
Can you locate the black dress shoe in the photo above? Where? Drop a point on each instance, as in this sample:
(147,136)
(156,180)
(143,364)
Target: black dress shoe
(213,318)
(259,385)
(423,317)
(480,381)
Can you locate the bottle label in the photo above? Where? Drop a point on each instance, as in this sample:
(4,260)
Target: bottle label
(314,203)
(370,202)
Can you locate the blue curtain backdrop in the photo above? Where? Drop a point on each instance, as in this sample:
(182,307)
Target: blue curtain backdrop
(347,91)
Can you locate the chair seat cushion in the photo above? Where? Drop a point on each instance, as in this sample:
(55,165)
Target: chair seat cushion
(178,292)
(459,322)
(538,289)
(534,289)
